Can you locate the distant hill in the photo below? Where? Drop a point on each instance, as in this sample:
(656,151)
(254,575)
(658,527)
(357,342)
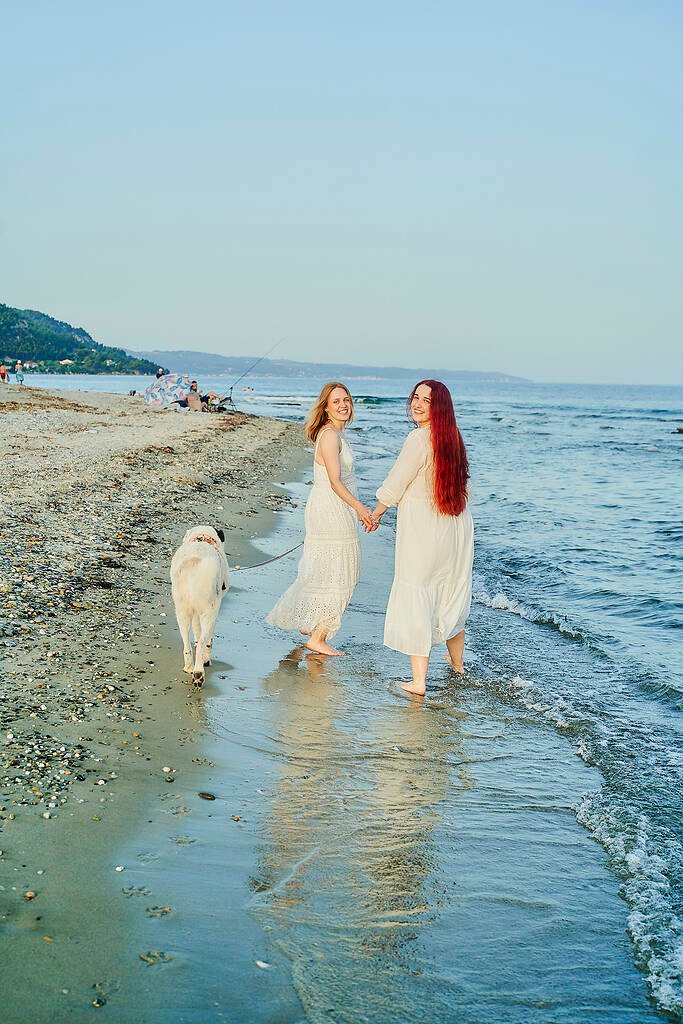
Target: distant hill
(57,347)
(232,366)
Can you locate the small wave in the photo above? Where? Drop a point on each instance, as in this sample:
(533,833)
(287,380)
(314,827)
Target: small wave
(646,856)
(279,399)
(500,602)
(520,691)
(560,713)
(661,687)
(378,400)
(655,929)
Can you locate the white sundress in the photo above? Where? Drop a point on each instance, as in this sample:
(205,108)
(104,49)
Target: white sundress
(432,590)
(330,565)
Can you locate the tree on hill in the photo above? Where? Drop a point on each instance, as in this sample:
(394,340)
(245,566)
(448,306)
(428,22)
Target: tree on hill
(31,336)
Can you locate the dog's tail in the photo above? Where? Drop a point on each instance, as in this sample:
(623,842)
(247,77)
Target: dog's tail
(198,588)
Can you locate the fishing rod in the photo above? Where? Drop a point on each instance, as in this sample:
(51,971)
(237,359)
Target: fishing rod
(228,398)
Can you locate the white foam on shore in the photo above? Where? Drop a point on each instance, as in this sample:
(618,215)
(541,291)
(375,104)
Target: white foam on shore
(525,691)
(645,864)
(655,929)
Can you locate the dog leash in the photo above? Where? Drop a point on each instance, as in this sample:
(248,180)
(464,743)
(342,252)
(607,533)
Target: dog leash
(242,568)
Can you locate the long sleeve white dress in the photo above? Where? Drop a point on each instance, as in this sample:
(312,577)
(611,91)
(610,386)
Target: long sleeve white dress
(330,565)
(432,590)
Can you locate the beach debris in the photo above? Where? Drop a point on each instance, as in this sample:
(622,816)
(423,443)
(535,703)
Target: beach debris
(147,857)
(48,938)
(30,894)
(158,911)
(236,817)
(102,991)
(136,890)
(119,867)
(153,956)
(262,965)
(206,796)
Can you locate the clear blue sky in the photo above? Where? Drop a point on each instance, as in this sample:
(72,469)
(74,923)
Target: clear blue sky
(480,186)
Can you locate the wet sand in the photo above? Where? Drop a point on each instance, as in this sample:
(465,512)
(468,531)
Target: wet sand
(97,726)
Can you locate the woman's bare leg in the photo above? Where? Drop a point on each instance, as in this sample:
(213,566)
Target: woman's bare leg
(456,646)
(418,684)
(318,643)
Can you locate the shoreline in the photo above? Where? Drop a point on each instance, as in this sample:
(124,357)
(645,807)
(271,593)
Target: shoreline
(94,704)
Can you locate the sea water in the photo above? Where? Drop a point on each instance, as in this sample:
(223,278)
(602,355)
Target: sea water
(389,834)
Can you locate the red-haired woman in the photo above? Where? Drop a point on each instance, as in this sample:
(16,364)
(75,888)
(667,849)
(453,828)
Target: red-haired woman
(330,565)
(432,590)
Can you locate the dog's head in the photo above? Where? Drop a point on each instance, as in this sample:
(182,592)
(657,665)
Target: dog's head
(197,532)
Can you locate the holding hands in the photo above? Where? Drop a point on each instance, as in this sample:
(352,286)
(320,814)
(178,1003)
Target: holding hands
(366,518)
(370,520)
(378,512)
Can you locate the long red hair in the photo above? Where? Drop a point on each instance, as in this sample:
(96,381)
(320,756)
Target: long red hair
(451,469)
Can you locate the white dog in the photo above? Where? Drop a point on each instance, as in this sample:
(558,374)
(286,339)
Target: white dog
(199,578)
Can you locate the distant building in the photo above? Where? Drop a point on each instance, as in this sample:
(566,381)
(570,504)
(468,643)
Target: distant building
(66,362)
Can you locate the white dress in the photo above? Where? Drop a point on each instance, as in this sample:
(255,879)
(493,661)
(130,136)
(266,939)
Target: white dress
(432,589)
(330,565)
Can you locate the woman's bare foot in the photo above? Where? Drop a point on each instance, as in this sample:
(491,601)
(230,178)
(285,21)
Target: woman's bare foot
(457,666)
(417,689)
(322,647)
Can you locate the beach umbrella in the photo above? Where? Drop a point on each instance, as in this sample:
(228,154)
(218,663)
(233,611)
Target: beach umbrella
(169,388)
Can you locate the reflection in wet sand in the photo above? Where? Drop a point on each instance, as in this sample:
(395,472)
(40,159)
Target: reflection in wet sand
(348,869)
(400,863)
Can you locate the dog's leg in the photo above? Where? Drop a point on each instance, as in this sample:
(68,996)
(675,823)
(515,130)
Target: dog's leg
(208,621)
(184,627)
(196,630)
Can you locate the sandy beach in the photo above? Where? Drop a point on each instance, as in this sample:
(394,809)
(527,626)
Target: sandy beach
(97,493)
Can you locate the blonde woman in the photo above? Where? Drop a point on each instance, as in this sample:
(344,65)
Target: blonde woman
(330,565)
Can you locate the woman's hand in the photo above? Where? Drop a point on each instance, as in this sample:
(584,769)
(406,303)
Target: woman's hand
(366,518)
(379,511)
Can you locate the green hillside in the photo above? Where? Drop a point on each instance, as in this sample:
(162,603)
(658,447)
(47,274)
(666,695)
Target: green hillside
(37,338)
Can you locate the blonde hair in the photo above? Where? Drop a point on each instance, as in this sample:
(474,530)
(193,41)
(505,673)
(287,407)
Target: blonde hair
(317,417)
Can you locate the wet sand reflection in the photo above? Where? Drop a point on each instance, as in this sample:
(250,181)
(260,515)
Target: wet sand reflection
(349,867)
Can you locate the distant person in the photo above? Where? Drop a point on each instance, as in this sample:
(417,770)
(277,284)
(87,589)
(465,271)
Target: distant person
(206,399)
(160,373)
(19,372)
(432,590)
(193,393)
(4,375)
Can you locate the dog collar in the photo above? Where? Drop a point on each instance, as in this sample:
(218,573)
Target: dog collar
(207,540)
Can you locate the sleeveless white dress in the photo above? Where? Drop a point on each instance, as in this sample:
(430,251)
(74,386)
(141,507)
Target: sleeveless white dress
(330,565)
(432,590)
